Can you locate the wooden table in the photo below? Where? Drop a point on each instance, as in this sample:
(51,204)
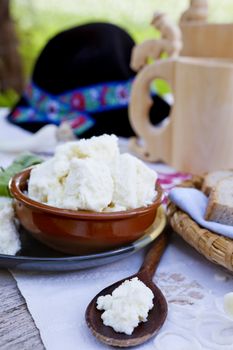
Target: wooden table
(17,328)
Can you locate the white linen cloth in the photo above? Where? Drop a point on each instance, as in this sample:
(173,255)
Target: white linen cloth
(194,203)
(57,301)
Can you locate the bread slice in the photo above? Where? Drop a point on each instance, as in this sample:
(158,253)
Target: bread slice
(220,205)
(211,179)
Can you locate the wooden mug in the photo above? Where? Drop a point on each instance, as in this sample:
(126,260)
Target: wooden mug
(198,136)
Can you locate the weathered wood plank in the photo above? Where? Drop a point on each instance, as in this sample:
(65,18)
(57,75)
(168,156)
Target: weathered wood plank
(17,328)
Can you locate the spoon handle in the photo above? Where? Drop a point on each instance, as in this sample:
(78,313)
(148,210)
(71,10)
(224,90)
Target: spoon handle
(154,254)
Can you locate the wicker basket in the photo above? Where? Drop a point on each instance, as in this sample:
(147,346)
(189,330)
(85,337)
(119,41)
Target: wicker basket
(214,247)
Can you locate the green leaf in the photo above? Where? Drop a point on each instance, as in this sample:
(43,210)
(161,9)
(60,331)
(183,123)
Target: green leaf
(23,161)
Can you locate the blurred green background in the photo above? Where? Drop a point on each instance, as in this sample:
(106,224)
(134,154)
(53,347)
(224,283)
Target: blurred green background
(38,20)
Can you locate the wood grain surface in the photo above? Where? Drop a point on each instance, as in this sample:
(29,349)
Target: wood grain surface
(17,328)
(197,137)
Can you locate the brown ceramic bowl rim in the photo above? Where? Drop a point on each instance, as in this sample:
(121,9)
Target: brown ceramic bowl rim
(16,181)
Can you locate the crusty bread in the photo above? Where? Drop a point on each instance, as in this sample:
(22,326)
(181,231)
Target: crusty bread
(220,205)
(211,179)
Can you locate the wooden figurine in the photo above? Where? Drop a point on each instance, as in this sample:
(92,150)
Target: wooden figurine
(170,42)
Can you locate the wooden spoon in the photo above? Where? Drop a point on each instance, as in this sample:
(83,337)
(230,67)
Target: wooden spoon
(157,315)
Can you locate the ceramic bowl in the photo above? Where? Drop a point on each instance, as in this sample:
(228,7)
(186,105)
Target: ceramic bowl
(79,232)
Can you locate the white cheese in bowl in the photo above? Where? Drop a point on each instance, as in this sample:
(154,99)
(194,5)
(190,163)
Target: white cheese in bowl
(44,186)
(128,305)
(92,175)
(89,185)
(104,148)
(134,183)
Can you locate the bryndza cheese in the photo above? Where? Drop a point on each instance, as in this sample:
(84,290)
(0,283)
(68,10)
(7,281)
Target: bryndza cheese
(128,305)
(9,237)
(104,148)
(89,185)
(93,175)
(134,183)
(44,186)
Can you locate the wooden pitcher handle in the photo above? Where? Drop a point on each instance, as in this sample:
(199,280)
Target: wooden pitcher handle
(156,140)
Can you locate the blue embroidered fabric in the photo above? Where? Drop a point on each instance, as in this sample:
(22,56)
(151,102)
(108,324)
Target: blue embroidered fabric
(73,106)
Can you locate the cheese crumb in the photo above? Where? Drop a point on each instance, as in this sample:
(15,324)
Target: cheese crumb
(128,305)
(228,304)
(9,237)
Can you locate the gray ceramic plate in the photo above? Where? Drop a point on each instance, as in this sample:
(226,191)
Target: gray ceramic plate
(36,256)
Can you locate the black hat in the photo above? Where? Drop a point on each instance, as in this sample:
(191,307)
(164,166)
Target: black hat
(83,75)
